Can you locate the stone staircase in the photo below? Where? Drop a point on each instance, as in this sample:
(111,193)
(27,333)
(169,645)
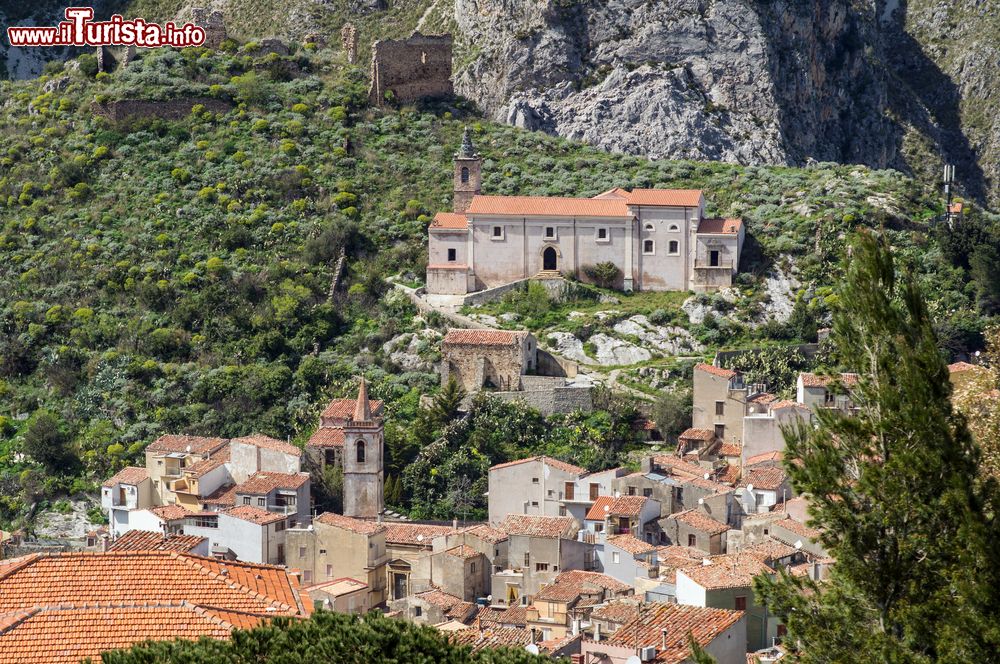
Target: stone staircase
(548,274)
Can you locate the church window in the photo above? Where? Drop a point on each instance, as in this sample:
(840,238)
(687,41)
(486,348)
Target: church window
(360,445)
(497,233)
(602,235)
(649,228)
(452,255)
(465,175)
(648,247)
(673,248)
(673,228)
(550,232)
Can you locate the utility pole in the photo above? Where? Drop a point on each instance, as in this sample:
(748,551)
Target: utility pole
(949,181)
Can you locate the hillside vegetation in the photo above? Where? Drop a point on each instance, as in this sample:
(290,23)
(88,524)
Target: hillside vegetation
(176,276)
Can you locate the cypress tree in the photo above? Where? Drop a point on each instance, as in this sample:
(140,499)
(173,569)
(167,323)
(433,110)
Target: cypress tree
(894,489)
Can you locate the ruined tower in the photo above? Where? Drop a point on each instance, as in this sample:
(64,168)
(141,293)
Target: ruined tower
(468,173)
(363,455)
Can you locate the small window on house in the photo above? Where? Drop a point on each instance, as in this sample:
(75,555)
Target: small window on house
(534,480)
(766,531)
(360,445)
(631,491)
(551,493)
(562,510)
(534,503)
(720,407)
(594,490)
(322,552)
(452,255)
(720,430)
(740,603)
(472,568)
(649,228)
(648,247)
(550,232)
(302,552)
(541,567)
(692,540)
(307,576)
(246,500)
(279,526)
(262,502)
(614,557)
(674,248)
(527,559)
(648,493)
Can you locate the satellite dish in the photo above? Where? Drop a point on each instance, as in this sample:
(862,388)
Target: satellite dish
(607,508)
(701,501)
(420,538)
(708,475)
(749,487)
(634,659)
(798,544)
(532,648)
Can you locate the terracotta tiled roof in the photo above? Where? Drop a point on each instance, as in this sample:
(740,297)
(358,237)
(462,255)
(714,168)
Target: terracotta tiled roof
(223,496)
(268,443)
(672,558)
(132,475)
(697,434)
(359,526)
(787,403)
(961,366)
(670,624)
(763,397)
(343,409)
(728,474)
(719,226)
(171,512)
(798,528)
(408,533)
(493,637)
(548,206)
(266,482)
(614,192)
(816,380)
(450,221)
(616,506)
(559,592)
(715,371)
(489,616)
(632,544)
(730,449)
(198,444)
(955,208)
(75,605)
(700,521)
(665,197)
(537,526)
(616,612)
(487,534)
(549,461)
(255,515)
(732,570)
(775,455)
(766,479)
(145,540)
(484,337)
(205,466)
(580,577)
(515,615)
(439,598)
(769,549)
(337,587)
(463,551)
(327,437)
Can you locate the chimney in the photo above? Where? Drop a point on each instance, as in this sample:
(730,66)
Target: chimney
(454,524)
(663,639)
(362,409)
(597,632)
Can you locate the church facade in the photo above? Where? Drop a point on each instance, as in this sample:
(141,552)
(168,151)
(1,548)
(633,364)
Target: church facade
(659,239)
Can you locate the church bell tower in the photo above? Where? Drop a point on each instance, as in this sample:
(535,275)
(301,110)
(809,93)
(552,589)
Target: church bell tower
(468,173)
(363,454)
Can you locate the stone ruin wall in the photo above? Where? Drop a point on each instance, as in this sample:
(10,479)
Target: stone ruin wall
(213,23)
(174,109)
(412,68)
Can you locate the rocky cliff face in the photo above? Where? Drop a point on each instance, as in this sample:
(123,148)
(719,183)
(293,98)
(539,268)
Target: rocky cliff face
(748,81)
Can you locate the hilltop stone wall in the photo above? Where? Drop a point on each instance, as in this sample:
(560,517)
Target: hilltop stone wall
(411,69)
(127,110)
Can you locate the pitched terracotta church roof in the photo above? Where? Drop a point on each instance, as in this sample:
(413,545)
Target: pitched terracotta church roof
(467,337)
(727,226)
(548,206)
(449,221)
(665,197)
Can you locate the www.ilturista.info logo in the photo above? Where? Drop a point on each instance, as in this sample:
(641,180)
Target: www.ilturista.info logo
(79,30)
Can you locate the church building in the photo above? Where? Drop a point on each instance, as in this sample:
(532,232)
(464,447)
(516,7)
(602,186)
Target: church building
(659,239)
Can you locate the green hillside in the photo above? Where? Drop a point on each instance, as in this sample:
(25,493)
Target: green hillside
(176,276)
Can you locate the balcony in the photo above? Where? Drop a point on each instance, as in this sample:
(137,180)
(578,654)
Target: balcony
(707,265)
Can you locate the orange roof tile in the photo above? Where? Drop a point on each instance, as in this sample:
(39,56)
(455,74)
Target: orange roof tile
(170,512)
(449,221)
(327,437)
(816,380)
(606,506)
(343,409)
(769,549)
(265,482)
(132,475)
(665,197)
(145,540)
(630,543)
(337,587)
(619,612)
(415,534)
(596,579)
(697,434)
(268,443)
(493,637)
(614,192)
(193,444)
(734,570)
(727,226)
(359,526)
(547,460)
(960,366)
(487,533)
(547,206)
(775,455)
(538,526)
(203,467)
(766,479)
(469,337)
(730,449)
(798,528)
(669,625)
(224,495)
(254,515)
(786,403)
(715,371)
(463,551)
(700,521)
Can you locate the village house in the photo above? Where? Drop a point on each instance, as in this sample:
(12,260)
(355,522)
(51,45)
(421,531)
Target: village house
(435,607)
(764,424)
(659,239)
(146,540)
(539,547)
(334,546)
(696,530)
(409,547)
(545,486)
(560,609)
(814,391)
(64,608)
(344,595)
(762,488)
(630,560)
(726,582)
(659,633)
(670,559)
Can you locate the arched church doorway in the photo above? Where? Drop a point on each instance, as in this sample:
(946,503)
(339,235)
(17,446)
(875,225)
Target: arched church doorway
(549,258)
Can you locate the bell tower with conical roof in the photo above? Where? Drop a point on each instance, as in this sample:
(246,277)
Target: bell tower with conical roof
(363,459)
(468,173)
